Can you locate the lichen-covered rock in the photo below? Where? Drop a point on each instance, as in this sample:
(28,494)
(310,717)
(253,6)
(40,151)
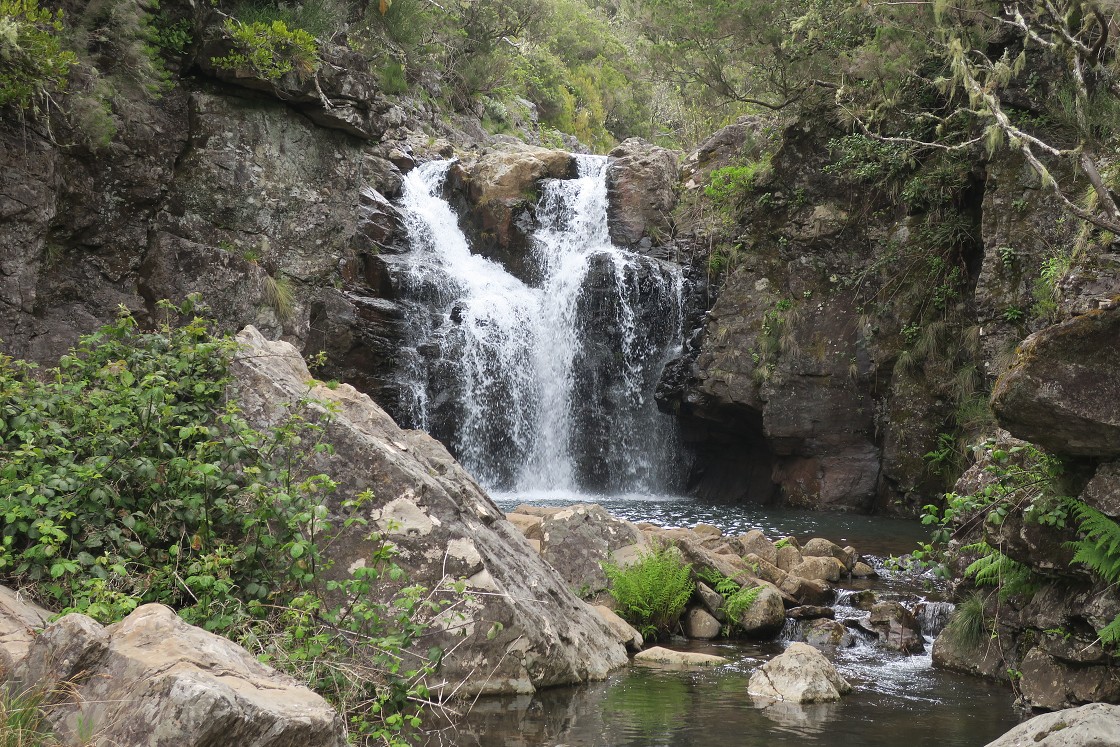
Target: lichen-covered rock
(816,568)
(577,540)
(152,680)
(1093,725)
(822,548)
(642,190)
(1063,391)
(19,620)
(756,542)
(444,527)
(801,674)
(624,632)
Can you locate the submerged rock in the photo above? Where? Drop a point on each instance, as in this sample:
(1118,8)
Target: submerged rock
(1093,725)
(668,657)
(801,674)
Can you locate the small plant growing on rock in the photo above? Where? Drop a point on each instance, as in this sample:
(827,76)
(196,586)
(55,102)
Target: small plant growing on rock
(651,593)
(271,50)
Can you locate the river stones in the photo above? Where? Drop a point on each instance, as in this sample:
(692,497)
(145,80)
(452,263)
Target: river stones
(667,657)
(700,624)
(765,616)
(819,569)
(801,674)
(897,628)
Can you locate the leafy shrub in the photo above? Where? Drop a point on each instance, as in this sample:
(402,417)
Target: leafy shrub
(127,476)
(651,593)
(730,184)
(33,63)
(271,50)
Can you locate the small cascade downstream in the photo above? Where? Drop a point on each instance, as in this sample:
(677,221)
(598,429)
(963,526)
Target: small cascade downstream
(548,385)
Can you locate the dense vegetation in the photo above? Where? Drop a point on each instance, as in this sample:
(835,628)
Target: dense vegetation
(128,476)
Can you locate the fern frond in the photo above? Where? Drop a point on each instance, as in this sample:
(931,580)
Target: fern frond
(1110,634)
(1099,549)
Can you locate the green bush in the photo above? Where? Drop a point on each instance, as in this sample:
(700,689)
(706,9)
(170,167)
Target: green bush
(968,627)
(127,476)
(270,49)
(33,63)
(651,593)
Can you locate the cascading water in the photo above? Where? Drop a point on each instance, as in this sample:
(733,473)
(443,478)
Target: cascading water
(545,386)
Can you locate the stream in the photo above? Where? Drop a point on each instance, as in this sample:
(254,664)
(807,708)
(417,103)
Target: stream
(898,700)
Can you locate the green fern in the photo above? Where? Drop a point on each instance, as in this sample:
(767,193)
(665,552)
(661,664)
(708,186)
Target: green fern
(1099,548)
(652,593)
(993,568)
(740,601)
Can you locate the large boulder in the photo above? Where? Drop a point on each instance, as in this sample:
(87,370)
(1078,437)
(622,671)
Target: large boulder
(1063,390)
(801,674)
(152,680)
(642,189)
(577,540)
(1093,725)
(1051,683)
(496,195)
(444,527)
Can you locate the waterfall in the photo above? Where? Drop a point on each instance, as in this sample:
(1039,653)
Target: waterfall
(543,386)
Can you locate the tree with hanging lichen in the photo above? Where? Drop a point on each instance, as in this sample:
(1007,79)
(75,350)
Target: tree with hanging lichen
(1038,77)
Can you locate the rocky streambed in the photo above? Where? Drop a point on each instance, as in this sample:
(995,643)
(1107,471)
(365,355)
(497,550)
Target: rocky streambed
(873,628)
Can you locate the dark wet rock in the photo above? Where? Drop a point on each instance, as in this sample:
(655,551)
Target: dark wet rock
(896,627)
(1050,683)
(1063,391)
(827,635)
(986,660)
(809,612)
(497,193)
(642,189)
(1103,491)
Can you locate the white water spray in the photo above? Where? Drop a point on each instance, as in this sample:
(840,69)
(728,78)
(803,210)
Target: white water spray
(549,387)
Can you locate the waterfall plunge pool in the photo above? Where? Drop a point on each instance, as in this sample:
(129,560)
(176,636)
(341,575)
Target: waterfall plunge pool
(898,700)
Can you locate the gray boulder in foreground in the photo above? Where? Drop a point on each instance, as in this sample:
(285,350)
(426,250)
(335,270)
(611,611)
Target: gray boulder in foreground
(152,680)
(1093,725)
(521,628)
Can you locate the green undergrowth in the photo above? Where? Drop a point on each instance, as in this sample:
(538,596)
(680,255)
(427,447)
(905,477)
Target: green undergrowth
(128,475)
(1023,481)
